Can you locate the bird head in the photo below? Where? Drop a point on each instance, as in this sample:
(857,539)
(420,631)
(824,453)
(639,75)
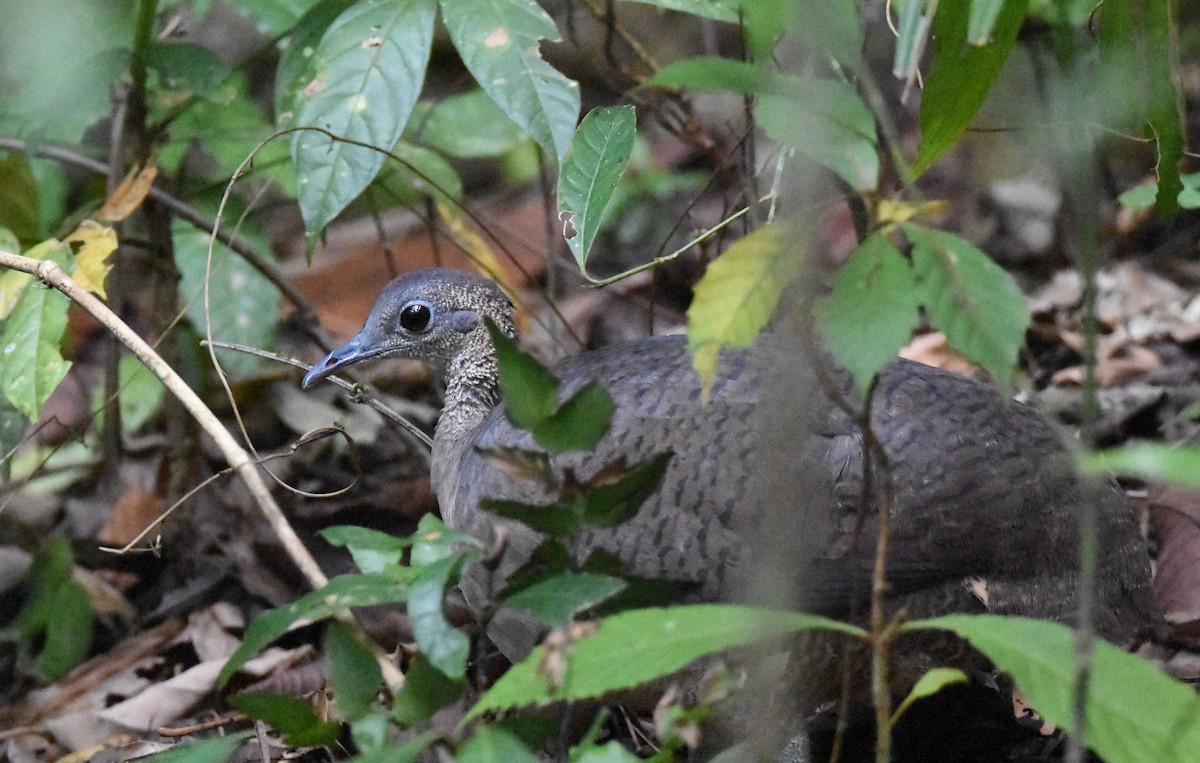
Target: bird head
(428,315)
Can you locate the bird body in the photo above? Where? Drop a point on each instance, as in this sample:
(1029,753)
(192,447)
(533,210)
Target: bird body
(984,499)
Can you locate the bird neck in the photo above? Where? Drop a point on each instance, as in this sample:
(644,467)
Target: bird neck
(472,391)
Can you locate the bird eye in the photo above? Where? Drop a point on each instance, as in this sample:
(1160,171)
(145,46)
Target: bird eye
(415,317)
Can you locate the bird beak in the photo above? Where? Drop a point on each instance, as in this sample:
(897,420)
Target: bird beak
(357,349)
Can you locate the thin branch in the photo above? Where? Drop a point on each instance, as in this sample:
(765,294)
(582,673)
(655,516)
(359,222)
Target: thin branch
(238,459)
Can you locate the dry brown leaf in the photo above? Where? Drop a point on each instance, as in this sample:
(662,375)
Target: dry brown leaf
(932,349)
(129,194)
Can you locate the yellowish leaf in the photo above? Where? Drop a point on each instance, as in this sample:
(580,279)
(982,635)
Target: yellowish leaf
(897,211)
(738,293)
(129,195)
(92,244)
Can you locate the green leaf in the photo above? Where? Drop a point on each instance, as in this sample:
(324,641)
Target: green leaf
(31,364)
(1174,463)
(557,520)
(634,647)
(297,64)
(609,752)
(273,17)
(367,73)
(354,675)
(426,690)
(185,70)
(18,198)
(716,73)
(833,26)
(406,752)
(465,126)
(418,175)
(215,750)
(591,169)
(498,42)
(492,744)
(872,310)
(373,551)
(828,122)
(971,299)
(608,503)
(341,593)
(579,423)
(290,716)
(57,618)
(244,304)
(140,394)
(717,10)
(433,542)
(443,645)
(929,684)
(737,295)
(529,391)
(961,76)
(1134,711)
(557,599)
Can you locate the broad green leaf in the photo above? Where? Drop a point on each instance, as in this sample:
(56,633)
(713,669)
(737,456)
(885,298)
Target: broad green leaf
(609,752)
(764,23)
(465,126)
(443,645)
(607,502)
(13,282)
(971,299)
(579,423)
(217,750)
(31,364)
(370,732)
(367,72)
(12,428)
(498,42)
(273,17)
(929,684)
(291,716)
(225,130)
(826,121)
(634,647)
(493,744)
(590,171)
(961,76)
(717,10)
(833,26)
(405,752)
(185,70)
(983,20)
(244,304)
(529,391)
(1174,463)
(297,61)
(1135,712)
(418,175)
(140,394)
(18,198)
(433,542)
(373,551)
(556,600)
(555,520)
(737,295)
(426,690)
(57,618)
(716,73)
(354,675)
(872,310)
(342,592)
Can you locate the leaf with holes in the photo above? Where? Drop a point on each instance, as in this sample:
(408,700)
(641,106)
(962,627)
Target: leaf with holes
(498,42)
(367,72)
(590,172)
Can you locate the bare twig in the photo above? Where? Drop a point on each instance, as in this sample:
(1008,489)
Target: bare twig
(239,460)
